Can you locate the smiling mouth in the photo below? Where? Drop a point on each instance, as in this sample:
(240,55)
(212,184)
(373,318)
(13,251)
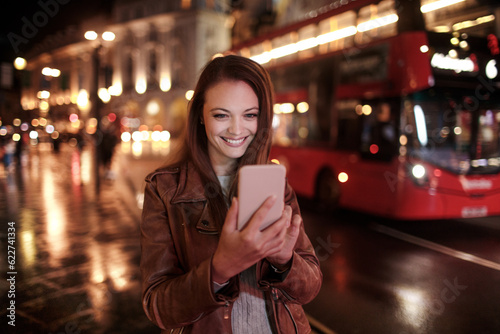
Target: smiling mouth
(234,141)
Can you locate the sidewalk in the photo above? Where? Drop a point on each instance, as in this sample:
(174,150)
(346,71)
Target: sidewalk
(76,264)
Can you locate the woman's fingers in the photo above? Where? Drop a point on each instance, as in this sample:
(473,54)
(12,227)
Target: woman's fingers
(282,253)
(253,225)
(281,224)
(241,249)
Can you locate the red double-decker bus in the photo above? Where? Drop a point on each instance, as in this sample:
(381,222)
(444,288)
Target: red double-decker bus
(398,124)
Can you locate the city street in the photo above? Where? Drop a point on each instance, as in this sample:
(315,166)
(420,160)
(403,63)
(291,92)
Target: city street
(422,277)
(75,256)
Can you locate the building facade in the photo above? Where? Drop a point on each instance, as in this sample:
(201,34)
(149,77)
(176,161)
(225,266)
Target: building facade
(143,73)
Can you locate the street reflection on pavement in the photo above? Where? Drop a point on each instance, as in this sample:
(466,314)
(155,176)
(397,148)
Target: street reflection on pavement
(77,253)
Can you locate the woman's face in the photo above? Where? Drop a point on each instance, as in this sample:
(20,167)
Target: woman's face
(230,116)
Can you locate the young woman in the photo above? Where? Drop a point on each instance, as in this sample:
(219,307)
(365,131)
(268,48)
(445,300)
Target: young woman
(201,274)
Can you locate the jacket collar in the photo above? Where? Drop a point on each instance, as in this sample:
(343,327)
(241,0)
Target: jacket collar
(189,187)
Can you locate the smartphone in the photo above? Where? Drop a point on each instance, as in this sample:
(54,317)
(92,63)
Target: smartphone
(255,184)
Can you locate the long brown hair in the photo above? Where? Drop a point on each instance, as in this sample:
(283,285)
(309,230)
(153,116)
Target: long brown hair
(195,149)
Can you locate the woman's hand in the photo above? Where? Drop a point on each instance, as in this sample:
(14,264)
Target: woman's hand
(238,250)
(284,253)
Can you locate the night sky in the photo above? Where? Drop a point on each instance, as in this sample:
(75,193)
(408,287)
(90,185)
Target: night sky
(14,15)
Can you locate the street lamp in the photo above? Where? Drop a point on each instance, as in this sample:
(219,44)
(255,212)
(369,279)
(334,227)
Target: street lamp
(106,36)
(20,63)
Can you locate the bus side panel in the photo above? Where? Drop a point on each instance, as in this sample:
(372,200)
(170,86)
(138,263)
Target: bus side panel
(409,65)
(417,202)
(469,195)
(302,167)
(448,198)
(421,205)
(371,187)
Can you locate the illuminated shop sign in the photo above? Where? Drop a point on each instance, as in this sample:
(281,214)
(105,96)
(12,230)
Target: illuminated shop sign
(446,62)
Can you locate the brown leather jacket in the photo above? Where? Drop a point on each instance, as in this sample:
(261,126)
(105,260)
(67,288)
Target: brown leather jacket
(178,239)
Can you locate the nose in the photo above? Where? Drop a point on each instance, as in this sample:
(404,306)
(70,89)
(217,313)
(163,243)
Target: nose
(236,126)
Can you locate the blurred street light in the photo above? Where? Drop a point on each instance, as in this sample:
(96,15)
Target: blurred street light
(108,36)
(90,35)
(438,5)
(20,63)
(51,72)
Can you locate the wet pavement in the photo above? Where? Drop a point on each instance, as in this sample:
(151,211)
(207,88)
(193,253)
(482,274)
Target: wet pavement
(416,277)
(70,257)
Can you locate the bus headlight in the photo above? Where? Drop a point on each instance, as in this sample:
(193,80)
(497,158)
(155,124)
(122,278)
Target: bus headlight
(343,177)
(419,175)
(418,171)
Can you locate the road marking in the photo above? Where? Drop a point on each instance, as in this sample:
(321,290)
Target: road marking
(436,247)
(318,327)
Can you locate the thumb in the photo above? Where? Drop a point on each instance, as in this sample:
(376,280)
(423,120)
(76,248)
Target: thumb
(295,225)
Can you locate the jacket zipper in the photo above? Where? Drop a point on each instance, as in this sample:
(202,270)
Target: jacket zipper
(274,294)
(291,317)
(226,311)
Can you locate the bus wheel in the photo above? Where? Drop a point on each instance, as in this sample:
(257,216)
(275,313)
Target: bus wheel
(327,191)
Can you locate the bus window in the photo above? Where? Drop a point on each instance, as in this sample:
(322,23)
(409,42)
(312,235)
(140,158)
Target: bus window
(379,137)
(333,25)
(349,125)
(463,135)
(489,133)
(282,48)
(311,83)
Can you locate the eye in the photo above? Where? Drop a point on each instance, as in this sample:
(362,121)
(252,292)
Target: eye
(220,116)
(252,115)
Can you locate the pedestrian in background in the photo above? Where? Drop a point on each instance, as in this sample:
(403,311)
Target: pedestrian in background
(107,148)
(19,150)
(2,150)
(9,149)
(200,274)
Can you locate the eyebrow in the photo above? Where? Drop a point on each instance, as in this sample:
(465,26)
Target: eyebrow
(228,111)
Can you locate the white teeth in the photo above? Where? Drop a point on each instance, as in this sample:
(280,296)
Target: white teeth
(235,142)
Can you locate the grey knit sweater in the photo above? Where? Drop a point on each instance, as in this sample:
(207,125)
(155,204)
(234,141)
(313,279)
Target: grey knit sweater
(249,310)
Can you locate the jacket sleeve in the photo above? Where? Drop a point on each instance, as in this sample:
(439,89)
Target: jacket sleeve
(302,282)
(171,295)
